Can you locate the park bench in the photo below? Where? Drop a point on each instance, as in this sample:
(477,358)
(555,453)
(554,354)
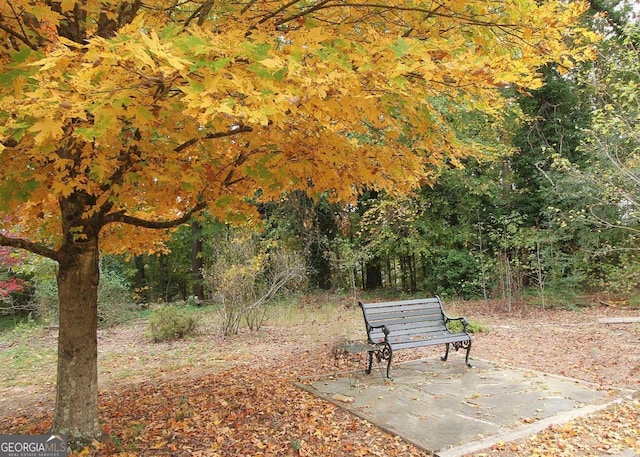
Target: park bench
(409,324)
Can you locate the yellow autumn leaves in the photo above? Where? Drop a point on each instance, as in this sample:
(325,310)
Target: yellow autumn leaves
(150,109)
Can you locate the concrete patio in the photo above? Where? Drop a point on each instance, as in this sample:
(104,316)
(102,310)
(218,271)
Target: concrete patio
(450,410)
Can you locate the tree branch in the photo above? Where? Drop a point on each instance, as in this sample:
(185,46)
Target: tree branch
(20,243)
(123,218)
(280,10)
(201,13)
(316,7)
(616,19)
(246,7)
(19,37)
(118,175)
(383,7)
(22,37)
(210,136)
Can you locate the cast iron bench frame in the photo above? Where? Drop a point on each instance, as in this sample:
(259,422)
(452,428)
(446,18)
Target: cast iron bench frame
(406,324)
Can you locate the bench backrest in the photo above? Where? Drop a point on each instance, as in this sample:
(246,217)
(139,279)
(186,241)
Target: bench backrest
(404,317)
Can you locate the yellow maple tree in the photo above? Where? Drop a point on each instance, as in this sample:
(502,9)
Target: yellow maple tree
(120,117)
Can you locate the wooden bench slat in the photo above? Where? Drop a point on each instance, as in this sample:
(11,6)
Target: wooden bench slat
(437,337)
(400,333)
(399,308)
(403,304)
(433,314)
(416,323)
(374,305)
(404,320)
(421,343)
(414,333)
(416,328)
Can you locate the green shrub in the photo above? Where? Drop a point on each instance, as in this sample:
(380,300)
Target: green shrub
(454,274)
(46,298)
(171,322)
(472,327)
(115,300)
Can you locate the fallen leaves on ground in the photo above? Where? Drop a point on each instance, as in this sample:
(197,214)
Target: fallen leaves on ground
(608,432)
(250,410)
(253,409)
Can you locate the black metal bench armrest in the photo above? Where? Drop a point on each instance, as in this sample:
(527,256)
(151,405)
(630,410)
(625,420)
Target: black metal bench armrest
(463,321)
(384,328)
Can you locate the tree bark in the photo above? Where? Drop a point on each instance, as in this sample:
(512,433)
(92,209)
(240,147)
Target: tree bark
(373,274)
(76,412)
(197,261)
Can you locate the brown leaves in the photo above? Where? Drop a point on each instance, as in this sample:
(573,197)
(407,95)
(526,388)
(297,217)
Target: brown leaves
(249,410)
(253,409)
(608,432)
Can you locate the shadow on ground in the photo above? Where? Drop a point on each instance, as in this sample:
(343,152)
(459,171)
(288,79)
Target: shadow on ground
(450,410)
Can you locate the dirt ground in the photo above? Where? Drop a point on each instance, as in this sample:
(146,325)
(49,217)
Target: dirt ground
(245,382)
(567,343)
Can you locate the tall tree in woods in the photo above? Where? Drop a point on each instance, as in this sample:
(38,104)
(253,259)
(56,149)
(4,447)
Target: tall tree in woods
(118,118)
(558,115)
(607,186)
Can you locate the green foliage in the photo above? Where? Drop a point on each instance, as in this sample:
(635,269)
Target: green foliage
(169,276)
(345,259)
(558,115)
(456,231)
(308,226)
(42,274)
(454,273)
(171,322)
(115,300)
(472,327)
(115,303)
(623,277)
(596,201)
(296,445)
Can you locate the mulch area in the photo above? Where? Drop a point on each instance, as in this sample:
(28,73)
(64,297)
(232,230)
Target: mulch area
(252,408)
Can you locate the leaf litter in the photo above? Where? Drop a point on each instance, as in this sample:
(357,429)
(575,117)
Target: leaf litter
(248,405)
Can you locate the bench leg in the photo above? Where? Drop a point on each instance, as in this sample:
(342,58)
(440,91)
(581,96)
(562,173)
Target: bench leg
(466,344)
(384,353)
(466,358)
(370,363)
(446,354)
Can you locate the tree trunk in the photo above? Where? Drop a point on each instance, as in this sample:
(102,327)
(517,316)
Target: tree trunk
(373,274)
(197,261)
(414,273)
(76,411)
(163,278)
(141,285)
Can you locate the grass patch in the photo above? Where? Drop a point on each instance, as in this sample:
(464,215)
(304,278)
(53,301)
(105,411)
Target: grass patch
(472,326)
(26,350)
(288,314)
(9,322)
(345,321)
